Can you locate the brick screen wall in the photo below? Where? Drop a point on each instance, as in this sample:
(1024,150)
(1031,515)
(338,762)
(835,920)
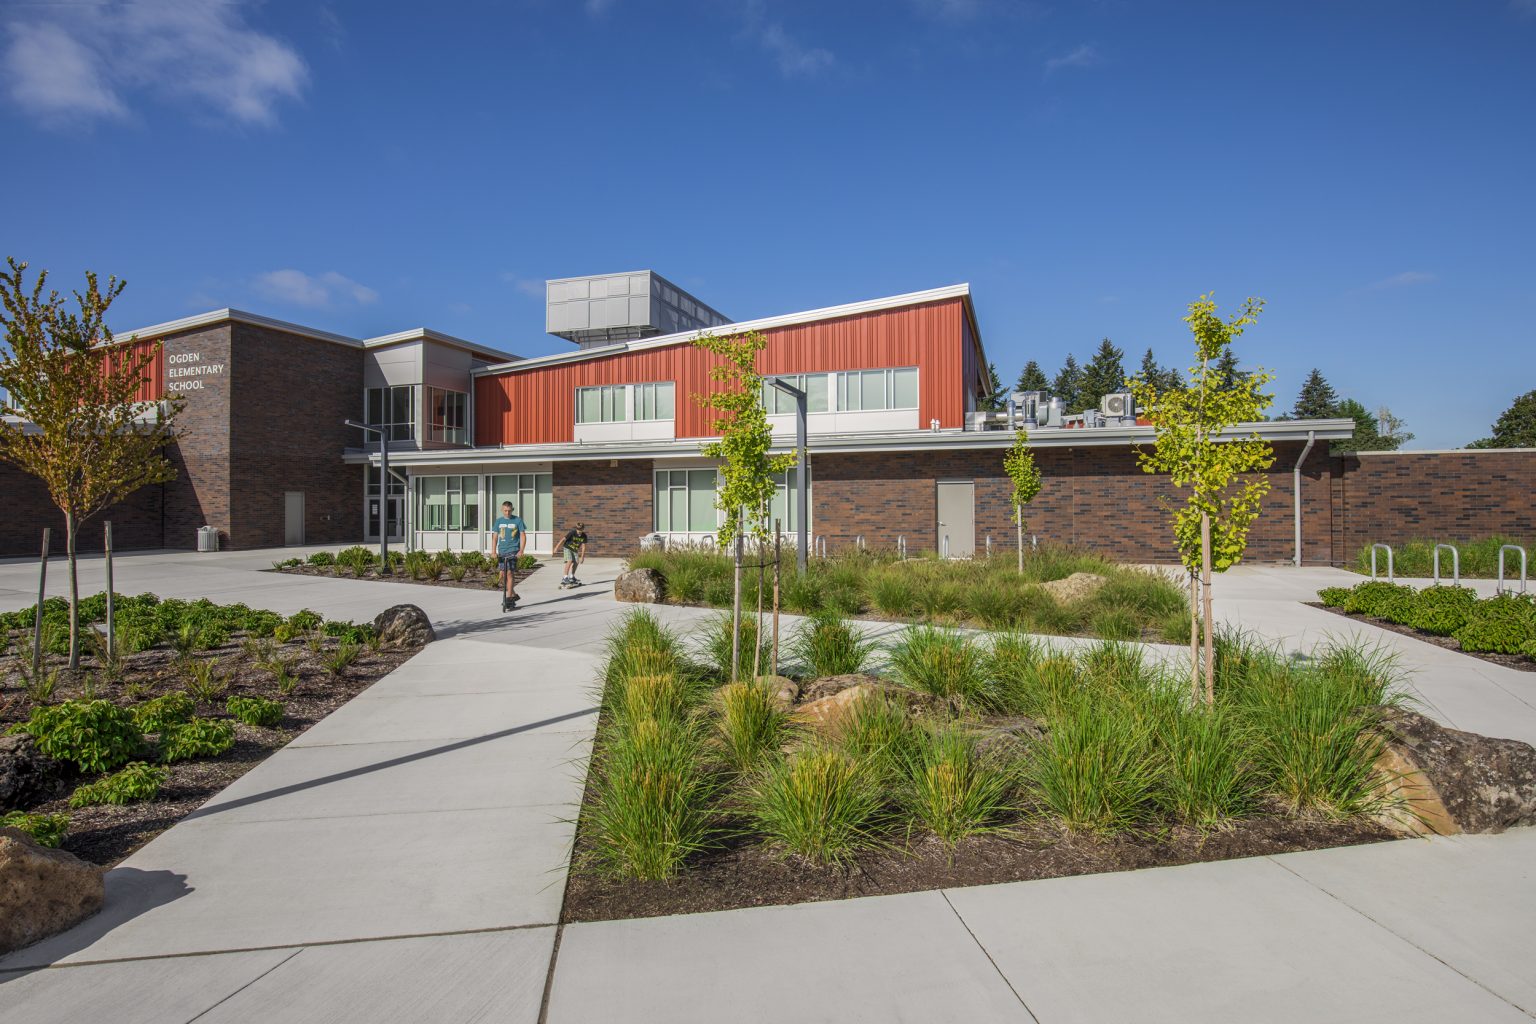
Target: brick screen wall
(614,502)
(136,523)
(199,496)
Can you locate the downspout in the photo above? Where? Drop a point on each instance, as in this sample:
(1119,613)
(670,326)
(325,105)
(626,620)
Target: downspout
(1296,489)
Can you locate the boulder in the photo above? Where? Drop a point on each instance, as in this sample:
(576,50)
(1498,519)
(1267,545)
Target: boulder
(640,586)
(826,686)
(42,891)
(1075,587)
(1006,739)
(1450,781)
(827,714)
(27,778)
(784,690)
(404,625)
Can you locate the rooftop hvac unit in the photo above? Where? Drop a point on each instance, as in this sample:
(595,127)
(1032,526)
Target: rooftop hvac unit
(1119,406)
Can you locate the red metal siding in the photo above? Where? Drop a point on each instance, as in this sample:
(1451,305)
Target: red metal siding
(153,388)
(538,406)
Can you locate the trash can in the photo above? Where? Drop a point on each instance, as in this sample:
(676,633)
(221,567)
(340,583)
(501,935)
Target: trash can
(207,538)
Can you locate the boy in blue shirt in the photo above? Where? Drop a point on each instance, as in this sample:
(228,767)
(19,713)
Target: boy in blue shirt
(509,530)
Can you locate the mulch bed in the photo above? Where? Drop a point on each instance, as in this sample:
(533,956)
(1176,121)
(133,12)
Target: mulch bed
(1516,661)
(752,875)
(107,834)
(474,579)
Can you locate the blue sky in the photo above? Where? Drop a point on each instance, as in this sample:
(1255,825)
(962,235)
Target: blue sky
(1089,168)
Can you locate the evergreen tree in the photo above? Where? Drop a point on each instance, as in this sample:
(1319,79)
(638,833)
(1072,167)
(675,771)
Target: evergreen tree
(997,397)
(1161,378)
(1104,375)
(1068,385)
(1033,378)
(1515,427)
(1228,373)
(1317,400)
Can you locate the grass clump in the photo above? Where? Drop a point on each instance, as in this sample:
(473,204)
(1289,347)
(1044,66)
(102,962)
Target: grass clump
(716,644)
(952,791)
(749,724)
(1097,768)
(942,662)
(827,644)
(137,781)
(820,803)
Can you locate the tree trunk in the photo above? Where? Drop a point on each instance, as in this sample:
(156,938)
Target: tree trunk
(1210,629)
(776,561)
(1021,545)
(1194,637)
(736,609)
(74,591)
(757,634)
(37,614)
(111,609)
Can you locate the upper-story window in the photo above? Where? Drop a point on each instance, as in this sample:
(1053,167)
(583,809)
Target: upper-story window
(601,404)
(446,416)
(866,390)
(653,401)
(393,409)
(777,403)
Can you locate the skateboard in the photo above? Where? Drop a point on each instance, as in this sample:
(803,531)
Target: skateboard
(569,584)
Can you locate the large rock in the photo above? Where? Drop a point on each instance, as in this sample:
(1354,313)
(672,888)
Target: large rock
(1453,781)
(641,586)
(782,689)
(404,625)
(828,714)
(1006,739)
(1075,587)
(27,778)
(826,686)
(42,891)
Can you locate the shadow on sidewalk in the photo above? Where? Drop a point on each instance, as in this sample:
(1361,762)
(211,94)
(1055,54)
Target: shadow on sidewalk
(130,892)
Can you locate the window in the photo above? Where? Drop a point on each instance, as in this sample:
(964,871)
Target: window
(396,485)
(653,401)
(601,404)
(783,507)
(867,390)
(448,503)
(393,409)
(531,495)
(685,501)
(446,416)
(777,403)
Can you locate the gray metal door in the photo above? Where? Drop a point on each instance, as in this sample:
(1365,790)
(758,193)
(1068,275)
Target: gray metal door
(293,518)
(957,518)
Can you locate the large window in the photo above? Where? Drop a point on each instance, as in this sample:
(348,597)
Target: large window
(866,390)
(394,409)
(777,403)
(685,501)
(448,503)
(445,415)
(601,405)
(531,495)
(653,401)
(783,507)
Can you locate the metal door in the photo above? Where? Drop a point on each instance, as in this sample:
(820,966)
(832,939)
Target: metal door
(293,518)
(957,518)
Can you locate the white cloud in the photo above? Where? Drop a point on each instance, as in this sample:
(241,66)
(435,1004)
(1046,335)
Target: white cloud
(1084,56)
(301,289)
(1403,280)
(795,59)
(528,286)
(89,61)
(598,8)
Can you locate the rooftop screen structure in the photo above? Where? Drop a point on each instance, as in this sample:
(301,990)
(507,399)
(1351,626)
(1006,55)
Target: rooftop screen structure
(604,309)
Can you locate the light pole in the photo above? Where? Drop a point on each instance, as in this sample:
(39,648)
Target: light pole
(802,505)
(383,492)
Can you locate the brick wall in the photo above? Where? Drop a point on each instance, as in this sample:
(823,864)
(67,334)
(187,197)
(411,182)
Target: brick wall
(199,496)
(614,502)
(1452,496)
(286,433)
(136,523)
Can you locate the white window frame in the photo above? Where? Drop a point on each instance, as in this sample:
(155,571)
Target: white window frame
(613,403)
(656,504)
(647,401)
(850,383)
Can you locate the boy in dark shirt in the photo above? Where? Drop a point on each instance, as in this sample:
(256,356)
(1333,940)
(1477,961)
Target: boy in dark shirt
(574,547)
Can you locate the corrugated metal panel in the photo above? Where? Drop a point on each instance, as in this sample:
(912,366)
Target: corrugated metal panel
(538,407)
(153,388)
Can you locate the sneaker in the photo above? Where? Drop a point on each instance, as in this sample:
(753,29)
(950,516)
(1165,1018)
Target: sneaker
(503,602)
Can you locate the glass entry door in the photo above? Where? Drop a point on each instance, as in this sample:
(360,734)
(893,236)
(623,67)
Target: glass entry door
(396,507)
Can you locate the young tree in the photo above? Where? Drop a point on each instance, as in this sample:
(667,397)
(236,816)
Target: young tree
(1104,375)
(997,395)
(1019,464)
(1515,427)
(746,468)
(1195,448)
(1317,400)
(1068,385)
(1032,378)
(1368,435)
(77,426)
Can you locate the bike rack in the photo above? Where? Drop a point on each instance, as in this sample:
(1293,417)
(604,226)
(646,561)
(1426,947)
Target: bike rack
(901,546)
(989,545)
(821,547)
(1455,564)
(1511,547)
(1388,549)
(946,545)
(858,542)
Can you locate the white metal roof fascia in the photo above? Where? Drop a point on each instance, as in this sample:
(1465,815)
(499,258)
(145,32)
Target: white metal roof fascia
(218,316)
(907,440)
(1443,451)
(427,334)
(785,320)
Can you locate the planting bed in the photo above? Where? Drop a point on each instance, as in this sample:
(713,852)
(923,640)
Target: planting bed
(238,663)
(468,570)
(963,762)
(1415,558)
(1499,629)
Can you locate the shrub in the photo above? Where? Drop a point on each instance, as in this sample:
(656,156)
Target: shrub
(1096,768)
(46,829)
(651,799)
(750,725)
(95,736)
(941,662)
(204,681)
(138,781)
(357,558)
(827,644)
(255,711)
(167,710)
(1334,597)
(1503,625)
(198,737)
(304,621)
(349,632)
(322,558)
(1443,610)
(1366,598)
(526,562)
(819,803)
(950,790)
(716,645)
